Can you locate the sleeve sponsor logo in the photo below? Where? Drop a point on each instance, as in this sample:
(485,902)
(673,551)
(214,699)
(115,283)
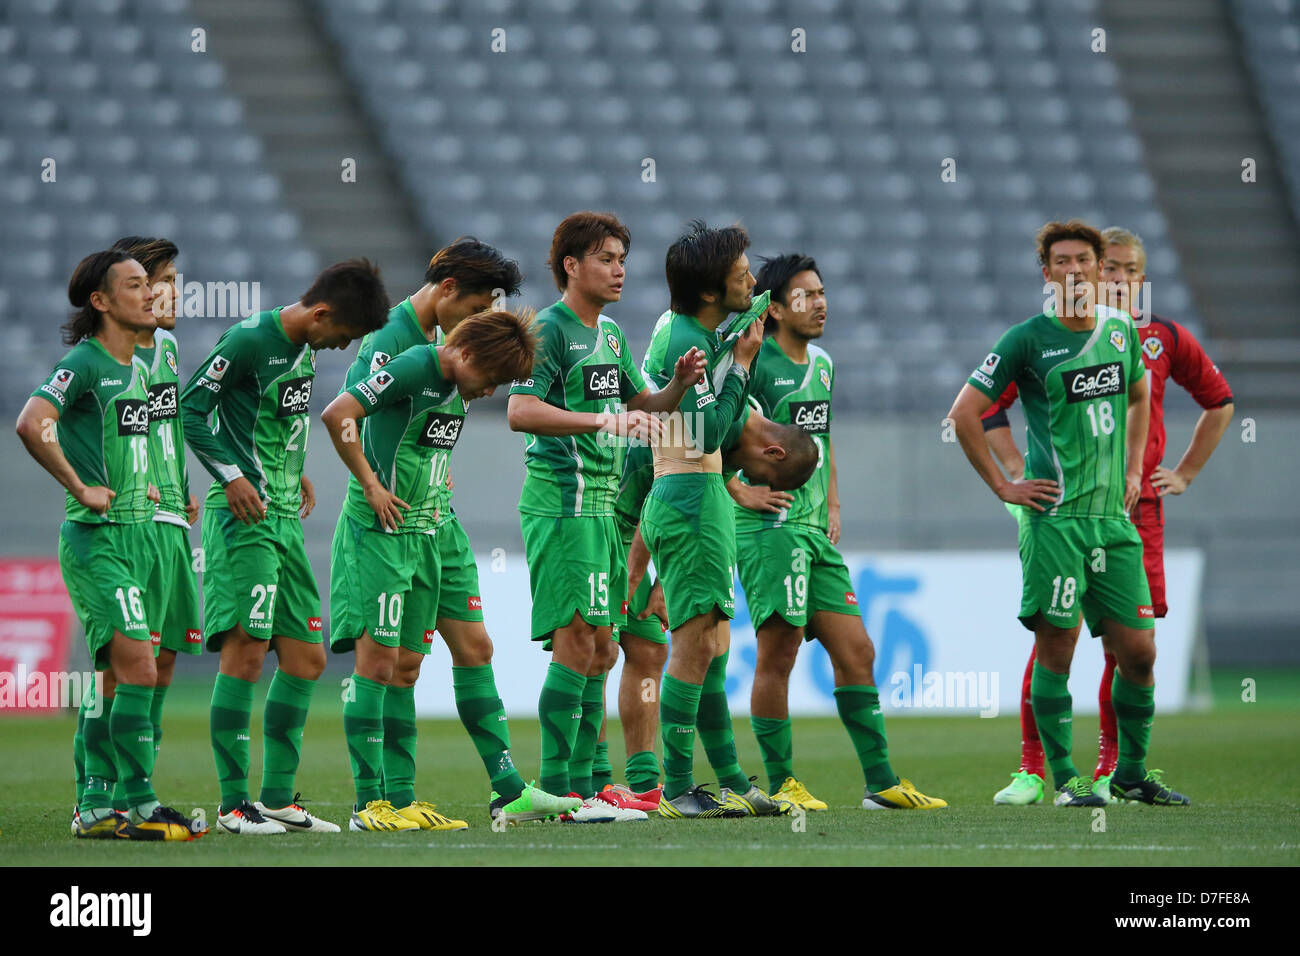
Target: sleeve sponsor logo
(441,430)
(163,401)
(378,361)
(54,393)
(990,363)
(315,624)
(1095,381)
(380,381)
(526,383)
(213,387)
(708,399)
(702,386)
(364,389)
(474,603)
(193,637)
(612,340)
(811,416)
(600,381)
(982,378)
(1153,347)
(294,397)
(62,379)
(132,416)
(1118,340)
(217,369)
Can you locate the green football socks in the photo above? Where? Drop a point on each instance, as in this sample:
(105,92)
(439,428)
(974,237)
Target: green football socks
(484,716)
(560,710)
(283,721)
(679,705)
(859,707)
(1049,695)
(363,726)
(775,742)
(400,738)
(1135,710)
(714,723)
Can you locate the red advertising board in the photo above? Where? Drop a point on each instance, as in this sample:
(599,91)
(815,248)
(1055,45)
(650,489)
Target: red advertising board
(36,624)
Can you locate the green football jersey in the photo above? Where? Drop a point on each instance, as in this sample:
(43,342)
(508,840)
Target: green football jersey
(103,429)
(247,412)
(402,332)
(167,468)
(795,394)
(578,369)
(413,419)
(1074,388)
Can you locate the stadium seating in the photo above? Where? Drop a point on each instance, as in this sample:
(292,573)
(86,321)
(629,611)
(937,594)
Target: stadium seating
(145,141)
(836,151)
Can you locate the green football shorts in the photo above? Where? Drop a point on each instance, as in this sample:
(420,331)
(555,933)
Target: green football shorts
(258,576)
(793,571)
(575,566)
(172,601)
(383,584)
(459,597)
(688,523)
(1093,564)
(106,568)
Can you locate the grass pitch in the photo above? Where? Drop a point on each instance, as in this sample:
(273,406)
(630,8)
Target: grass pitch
(1237,762)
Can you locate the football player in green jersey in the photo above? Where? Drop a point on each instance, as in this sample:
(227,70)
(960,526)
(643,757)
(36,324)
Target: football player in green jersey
(777,456)
(584,398)
(796,584)
(687,521)
(88,426)
(246,415)
(387,563)
(1084,389)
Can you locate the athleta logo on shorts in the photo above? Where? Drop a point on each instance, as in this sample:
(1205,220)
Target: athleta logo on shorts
(132,416)
(315,624)
(1095,381)
(474,603)
(162,401)
(601,382)
(850,598)
(295,397)
(193,637)
(428,637)
(811,416)
(1146,610)
(440,430)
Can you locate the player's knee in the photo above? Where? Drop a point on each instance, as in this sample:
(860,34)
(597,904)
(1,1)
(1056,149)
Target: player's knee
(606,655)
(478,649)
(164,668)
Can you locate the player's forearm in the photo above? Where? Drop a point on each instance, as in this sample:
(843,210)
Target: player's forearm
(344,432)
(542,418)
(1139,417)
(833,484)
(1003,446)
(709,425)
(1205,438)
(664,400)
(970,435)
(211,455)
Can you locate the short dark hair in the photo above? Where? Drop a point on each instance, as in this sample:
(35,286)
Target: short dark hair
(151,252)
(476,267)
(354,291)
(1054,232)
(800,460)
(90,276)
(699,261)
(580,234)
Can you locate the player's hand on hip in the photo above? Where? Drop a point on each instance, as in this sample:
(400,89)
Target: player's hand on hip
(690,367)
(833,523)
(386,506)
(192,510)
(244,501)
(655,605)
(96,497)
(153,494)
(308,498)
(1168,481)
(1029,492)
